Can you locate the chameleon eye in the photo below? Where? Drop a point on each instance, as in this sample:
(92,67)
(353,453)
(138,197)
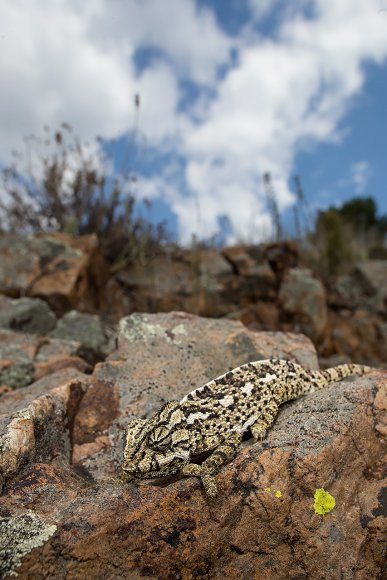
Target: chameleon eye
(160,437)
(161,445)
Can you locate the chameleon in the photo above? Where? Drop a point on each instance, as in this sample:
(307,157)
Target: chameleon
(213,418)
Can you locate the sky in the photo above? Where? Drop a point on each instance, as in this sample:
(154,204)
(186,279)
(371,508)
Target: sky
(228,90)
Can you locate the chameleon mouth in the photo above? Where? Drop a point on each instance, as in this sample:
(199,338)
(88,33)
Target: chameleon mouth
(130,469)
(138,471)
(133,471)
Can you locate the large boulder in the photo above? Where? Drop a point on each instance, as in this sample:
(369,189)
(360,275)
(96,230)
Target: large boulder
(30,315)
(87,329)
(64,271)
(303,300)
(26,358)
(194,281)
(34,343)
(374,275)
(62,517)
(240,259)
(358,335)
(282,256)
(365,287)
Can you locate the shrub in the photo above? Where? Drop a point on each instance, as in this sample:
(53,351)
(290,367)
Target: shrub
(342,236)
(70,187)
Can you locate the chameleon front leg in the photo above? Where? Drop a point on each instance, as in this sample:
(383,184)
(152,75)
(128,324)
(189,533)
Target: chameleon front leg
(211,465)
(265,421)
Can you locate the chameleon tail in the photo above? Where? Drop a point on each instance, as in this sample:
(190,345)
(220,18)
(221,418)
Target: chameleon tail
(338,373)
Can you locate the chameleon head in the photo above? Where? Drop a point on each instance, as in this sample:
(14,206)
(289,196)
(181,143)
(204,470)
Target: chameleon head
(157,446)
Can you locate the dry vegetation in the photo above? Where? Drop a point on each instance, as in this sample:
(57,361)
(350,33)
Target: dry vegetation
(61,184)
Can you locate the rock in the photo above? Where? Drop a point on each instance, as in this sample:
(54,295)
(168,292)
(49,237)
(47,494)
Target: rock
(282,256)
(28,531)
(14,374)
(260,283)
(89,331)
(358,335)
(262,315)
(381,330)
(18,400)
(267,314)
(209,291)
(18,264)
(240,259)
(212,265)
(64,271)
(16,359)
(162,275)
(347,293)
(62,519)
(373,275)
(303,298)
(195,281)
(117,303)
(363,288)
(278,256)
(30,315)
(333,361)
(163,284)
(38,431)
(25,358)
(5,389)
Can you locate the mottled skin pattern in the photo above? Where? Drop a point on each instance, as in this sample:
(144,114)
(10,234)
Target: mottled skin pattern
(214,417)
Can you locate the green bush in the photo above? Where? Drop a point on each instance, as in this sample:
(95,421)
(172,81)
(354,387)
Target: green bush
(342,236)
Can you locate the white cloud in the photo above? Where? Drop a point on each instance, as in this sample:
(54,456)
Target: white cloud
(286,92)
(158,90)
(261,8)
(50,72)
(360,175)
(186,34)
(72,60)
(356,178)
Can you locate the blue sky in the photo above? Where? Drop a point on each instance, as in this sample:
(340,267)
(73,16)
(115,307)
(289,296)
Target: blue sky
(229,90)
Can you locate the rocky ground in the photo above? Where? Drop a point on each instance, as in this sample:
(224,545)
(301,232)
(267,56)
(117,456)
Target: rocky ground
(266,287)
(62,440)
(71,379)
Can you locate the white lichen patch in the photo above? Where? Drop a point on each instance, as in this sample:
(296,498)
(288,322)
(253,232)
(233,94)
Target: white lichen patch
(137,327)
(179,329)
(17,440)
(25,413)
(18,536)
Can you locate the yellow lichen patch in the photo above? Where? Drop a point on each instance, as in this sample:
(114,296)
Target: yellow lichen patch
(323,502)
(276,492)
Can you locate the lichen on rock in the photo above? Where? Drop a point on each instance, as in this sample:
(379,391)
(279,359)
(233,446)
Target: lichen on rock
(19,534)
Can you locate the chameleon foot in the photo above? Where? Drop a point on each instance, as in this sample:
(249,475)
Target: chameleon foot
(208,480)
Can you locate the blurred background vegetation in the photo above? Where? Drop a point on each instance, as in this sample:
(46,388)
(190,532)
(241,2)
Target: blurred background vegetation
(63,185)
